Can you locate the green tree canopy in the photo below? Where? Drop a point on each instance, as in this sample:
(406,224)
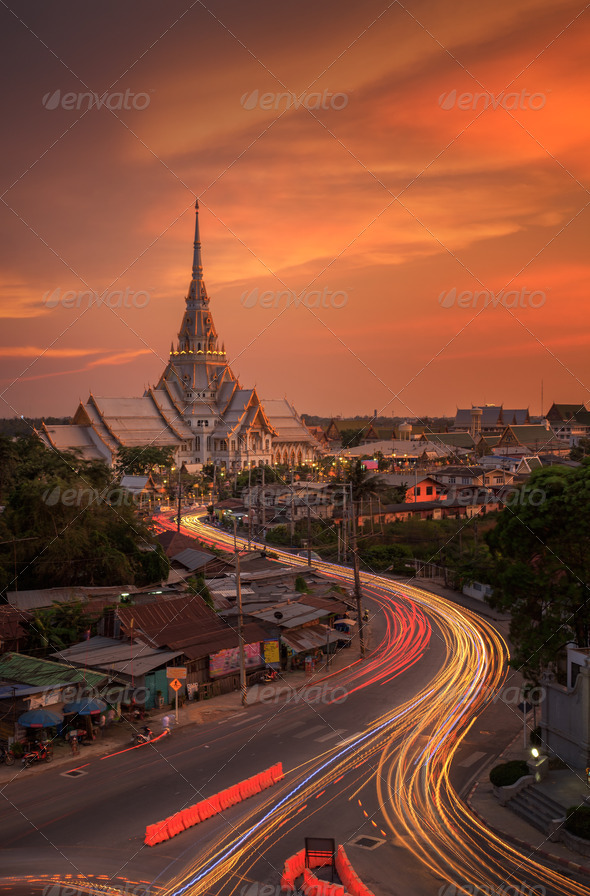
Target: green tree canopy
(541,549)
(140,461)
(67,523)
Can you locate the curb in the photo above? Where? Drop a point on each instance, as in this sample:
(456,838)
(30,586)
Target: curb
(522,844)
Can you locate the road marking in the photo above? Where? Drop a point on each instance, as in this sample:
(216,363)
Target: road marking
(292,725)
(475,757)
(250,719)
(350,739)
(332,734)
(237,716)
(309,731)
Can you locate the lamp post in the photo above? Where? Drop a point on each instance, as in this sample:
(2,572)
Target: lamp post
(243,687)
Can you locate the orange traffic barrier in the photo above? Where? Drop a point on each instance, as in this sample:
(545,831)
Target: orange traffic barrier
(348,876)
(153,833)
(255,783)
(186,818)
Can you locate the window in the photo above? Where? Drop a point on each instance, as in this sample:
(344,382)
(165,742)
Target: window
(429,490)
(418,490)
(452,480)
(198,443)
(233,444)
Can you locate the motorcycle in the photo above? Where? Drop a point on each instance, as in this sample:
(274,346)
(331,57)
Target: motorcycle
(6,755)
(41,752)
(143,737)
(270,675)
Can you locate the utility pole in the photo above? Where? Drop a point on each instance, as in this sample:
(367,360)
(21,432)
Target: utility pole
(179,501)
(344,526)
(357,582)
(292,527)
(249,501)
(243,687)
(308,533)
(263,508)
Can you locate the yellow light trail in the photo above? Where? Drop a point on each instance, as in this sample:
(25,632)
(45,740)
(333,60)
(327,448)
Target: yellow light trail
(414,745)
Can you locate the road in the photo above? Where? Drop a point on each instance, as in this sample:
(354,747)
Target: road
(373,763)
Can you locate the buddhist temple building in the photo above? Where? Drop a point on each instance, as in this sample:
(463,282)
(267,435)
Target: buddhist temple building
(198,406)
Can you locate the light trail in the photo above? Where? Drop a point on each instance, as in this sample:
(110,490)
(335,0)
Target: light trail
(414,746)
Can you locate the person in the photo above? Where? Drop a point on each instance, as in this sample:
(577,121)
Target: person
(110,717)
(74,745)
(147,732)
(166,723)
(101,724)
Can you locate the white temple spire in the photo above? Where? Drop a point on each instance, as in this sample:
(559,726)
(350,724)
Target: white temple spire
(197,289)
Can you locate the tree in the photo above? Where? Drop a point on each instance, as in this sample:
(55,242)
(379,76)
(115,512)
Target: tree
(140,461)
(581,450)
(541,549)
(66,524)
(352,438)
(57,627)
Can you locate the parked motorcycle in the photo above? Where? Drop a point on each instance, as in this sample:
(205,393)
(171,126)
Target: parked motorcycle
(41,752)
(143,737)
(270,674)
(6,755)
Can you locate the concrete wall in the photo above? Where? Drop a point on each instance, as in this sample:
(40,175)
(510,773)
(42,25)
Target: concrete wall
(565,719)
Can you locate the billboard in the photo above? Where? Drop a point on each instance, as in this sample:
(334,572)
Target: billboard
(272,656)
(225,662)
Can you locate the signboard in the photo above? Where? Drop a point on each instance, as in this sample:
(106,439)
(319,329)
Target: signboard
(272,656)
(227,661)
(176,672)
(47,698)
(175,685)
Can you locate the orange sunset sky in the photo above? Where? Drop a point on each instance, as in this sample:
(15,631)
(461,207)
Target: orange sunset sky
(402,190)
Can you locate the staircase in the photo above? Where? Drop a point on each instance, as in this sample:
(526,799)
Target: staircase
(536,808)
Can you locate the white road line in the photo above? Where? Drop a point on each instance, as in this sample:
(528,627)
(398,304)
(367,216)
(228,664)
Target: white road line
(471,759)
(237,716)
(350,739)
(249,719)
(309,731)
(292,725)
(332,734)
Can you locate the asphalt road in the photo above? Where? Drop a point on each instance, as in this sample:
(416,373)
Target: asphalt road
(94,824)
(335,747)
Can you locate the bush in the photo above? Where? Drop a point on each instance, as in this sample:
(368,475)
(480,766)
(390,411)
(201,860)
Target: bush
(509,773)
(578,821)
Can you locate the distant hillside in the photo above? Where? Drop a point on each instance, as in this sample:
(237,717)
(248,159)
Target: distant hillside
(23,426)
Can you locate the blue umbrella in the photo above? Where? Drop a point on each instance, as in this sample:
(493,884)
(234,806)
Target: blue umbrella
(87,707)
(39,718)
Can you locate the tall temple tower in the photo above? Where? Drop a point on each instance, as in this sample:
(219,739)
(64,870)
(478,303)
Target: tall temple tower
(229,422)
(198,407)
